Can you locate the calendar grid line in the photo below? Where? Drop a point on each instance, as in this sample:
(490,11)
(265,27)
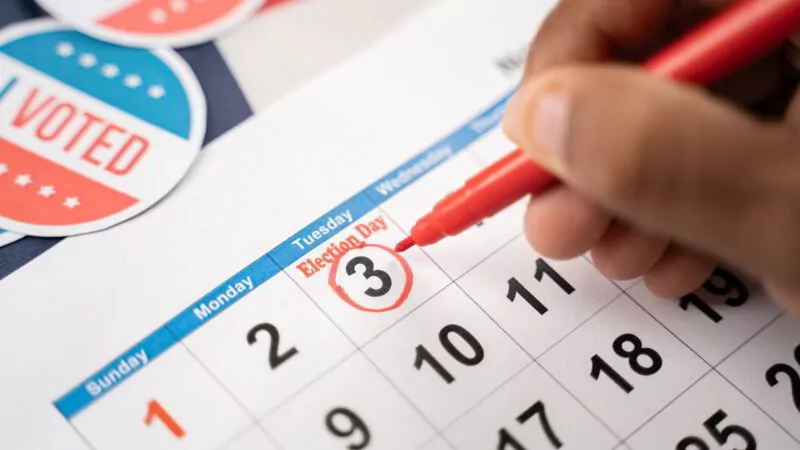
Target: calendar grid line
(282,256)
(715,366)
(670,402)
(401,318)
(243,432)
(83,437)
(487,396)
(580,402)
(668,329)
(431,440)
(405,397)
(515,340)
(757,406)
(359,349)
(178,333)
(576,328)
(306,386)
(595,416)
(747,341)
(454,283)
(716,369)
(230,394)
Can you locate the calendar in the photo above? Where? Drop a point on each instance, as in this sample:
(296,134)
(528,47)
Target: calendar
(262,306)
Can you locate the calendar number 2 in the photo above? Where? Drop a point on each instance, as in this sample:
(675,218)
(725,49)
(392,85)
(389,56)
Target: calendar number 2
(276,357)
(156,411)
(635,356)
(515,288)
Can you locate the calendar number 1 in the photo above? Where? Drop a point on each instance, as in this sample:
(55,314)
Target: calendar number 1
(515,288)
(156,411)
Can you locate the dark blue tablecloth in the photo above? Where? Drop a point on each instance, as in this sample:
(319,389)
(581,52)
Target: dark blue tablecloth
(227,107)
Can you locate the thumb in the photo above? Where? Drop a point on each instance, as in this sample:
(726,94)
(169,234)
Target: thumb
(670,159)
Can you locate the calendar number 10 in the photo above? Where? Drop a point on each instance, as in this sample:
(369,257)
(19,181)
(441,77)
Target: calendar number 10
(445,338)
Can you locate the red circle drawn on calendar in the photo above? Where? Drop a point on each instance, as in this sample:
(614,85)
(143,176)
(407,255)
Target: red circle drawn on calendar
(340,291)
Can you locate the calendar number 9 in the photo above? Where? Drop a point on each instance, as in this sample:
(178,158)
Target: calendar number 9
(344,423)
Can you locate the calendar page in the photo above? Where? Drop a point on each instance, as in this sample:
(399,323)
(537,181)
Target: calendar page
(261,305)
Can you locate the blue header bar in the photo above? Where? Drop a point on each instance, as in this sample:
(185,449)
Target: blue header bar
(248,279)
(321,230)
(115,372)
(222,297)
(434,156)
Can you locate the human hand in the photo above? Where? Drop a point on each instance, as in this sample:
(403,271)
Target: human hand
(660,180)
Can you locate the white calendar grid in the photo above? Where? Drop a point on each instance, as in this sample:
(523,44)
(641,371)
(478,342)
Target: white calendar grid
(325,360)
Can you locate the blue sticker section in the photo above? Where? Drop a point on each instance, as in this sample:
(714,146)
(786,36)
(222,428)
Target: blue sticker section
(114,373)
(222,297)
(7,87)
(2,231)
(153,92)
(248,279)
(321,230)
(416,167)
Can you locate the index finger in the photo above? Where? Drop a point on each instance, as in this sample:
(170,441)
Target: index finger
(580,31)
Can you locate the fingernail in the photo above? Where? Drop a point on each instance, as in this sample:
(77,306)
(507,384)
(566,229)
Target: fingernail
(552,112)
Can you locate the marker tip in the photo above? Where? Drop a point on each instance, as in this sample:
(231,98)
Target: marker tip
(405,244)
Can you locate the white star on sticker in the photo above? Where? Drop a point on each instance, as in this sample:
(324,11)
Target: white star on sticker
(72,202)
(65,49)
(87,60)
(47,191)
(133,81)
(23,180)
(156,92)
(179,6)
(158,16)
(110,70)
(3,169)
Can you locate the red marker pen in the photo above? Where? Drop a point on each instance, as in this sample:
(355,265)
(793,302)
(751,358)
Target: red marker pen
(727,42)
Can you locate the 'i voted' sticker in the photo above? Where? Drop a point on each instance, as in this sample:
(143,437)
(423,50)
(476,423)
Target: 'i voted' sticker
(91,133)
(153,23)
(7,238)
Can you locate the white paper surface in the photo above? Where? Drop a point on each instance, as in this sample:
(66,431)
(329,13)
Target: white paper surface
(290,365)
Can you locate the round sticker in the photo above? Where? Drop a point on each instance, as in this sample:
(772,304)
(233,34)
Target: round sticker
(91,133)
(153,23)
(371,278)
(7,238)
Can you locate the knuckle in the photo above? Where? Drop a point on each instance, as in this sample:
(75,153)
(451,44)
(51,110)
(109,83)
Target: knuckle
(630,177)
